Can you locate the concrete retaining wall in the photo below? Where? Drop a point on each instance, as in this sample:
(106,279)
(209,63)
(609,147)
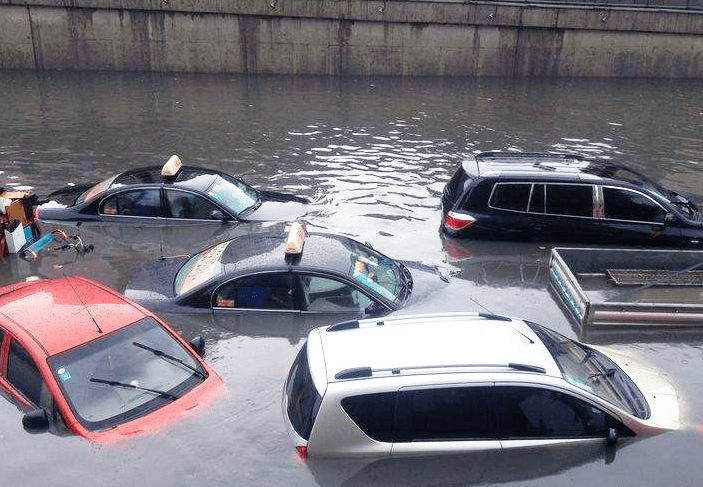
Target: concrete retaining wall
(349,38)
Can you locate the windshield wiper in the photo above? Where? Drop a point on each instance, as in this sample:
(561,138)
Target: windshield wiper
(115,383)
(607,373)
(162,354)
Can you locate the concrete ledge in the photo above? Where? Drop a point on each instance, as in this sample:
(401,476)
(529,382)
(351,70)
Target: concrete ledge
(566,16)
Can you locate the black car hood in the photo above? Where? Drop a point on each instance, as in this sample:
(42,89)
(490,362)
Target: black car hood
(154,281)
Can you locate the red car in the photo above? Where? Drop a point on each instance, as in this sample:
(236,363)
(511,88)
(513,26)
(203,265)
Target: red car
(82,359)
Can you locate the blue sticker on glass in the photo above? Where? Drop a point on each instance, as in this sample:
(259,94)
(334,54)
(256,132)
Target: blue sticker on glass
(64,374)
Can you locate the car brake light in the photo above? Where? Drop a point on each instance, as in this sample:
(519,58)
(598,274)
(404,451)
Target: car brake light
(458,221)
(302,451)
(36,213)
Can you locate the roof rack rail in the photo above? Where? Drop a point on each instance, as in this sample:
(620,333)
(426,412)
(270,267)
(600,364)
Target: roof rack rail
(389,320)
(365,372)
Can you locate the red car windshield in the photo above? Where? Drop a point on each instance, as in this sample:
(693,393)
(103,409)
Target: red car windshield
(125,374)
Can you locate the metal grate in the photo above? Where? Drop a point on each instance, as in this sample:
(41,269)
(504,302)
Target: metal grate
(654,277)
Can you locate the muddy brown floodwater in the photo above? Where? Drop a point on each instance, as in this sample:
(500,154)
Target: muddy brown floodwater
(374,155)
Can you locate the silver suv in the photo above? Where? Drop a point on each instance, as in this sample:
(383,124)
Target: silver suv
(459,382)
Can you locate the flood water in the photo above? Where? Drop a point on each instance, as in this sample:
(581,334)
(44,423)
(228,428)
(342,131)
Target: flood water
(374,155)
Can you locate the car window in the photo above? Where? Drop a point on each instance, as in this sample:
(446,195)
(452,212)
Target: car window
(373,413)
(143,176)
(510,196)
(569,199)
(532,412)
(24,375)
(453,413)
(138,202)
(303,398)
(189,205)
(323,294)
(621,204)
(270,291)
(92,192)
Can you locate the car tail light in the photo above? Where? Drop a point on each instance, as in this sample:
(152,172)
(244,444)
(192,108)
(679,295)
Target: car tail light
(458,221)
(36,213)
(302,451)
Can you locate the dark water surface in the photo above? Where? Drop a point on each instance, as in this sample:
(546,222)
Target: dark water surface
(374,155)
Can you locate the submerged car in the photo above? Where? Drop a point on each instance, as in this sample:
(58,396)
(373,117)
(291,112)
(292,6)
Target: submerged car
(170,194)
(259,278)
(461,382)
(564,198)
(81,359)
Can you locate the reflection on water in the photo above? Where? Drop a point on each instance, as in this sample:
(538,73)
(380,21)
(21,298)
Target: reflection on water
(373,154)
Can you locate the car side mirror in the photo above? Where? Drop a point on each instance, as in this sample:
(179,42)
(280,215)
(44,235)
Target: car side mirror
(612,437)
(198,344)
(217,215)
(36,421)
(669,218)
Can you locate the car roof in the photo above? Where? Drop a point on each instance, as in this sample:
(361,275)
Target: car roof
(551,166)
(432,343)
(66,312)
(191,177)
(321,251)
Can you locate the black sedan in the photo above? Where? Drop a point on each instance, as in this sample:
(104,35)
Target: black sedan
(152,196)
(252,286)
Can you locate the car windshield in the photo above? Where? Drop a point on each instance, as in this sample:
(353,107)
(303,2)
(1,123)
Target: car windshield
(92,192)
(233,193)
(125,374)
(199,268)
(592,371)
(376,272)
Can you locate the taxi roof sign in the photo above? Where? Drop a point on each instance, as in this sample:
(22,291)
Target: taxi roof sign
(172,166)
(296,239)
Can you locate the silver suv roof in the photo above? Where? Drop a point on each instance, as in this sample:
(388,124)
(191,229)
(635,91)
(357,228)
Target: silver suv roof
(427,344)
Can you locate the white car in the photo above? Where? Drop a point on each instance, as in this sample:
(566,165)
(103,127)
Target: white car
(460,382)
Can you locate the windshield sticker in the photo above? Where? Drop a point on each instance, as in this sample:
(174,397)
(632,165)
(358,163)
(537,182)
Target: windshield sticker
(63,374)
(206,266)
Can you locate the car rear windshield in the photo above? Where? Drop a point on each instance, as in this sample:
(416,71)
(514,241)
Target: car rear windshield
(92,192)
(302,396)
(125,374)
(199,268)
(592,371)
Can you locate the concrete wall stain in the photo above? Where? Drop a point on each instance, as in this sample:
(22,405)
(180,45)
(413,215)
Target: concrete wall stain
(344,31)
(248,47)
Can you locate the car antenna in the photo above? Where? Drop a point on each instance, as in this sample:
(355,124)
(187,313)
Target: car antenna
(84,305)
(472,299)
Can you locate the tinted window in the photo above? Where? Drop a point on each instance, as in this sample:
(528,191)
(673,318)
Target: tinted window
(189,205)
(142,202)
(23,373)
(262,291)
(570,199)
(373,413)
(329,295)
(511,196)
(302,396)
(630,205)
(528,412)
(537,199)
(451,413)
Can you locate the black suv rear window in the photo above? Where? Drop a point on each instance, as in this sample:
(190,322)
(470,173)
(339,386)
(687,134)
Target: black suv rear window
(303,398)
(570,199)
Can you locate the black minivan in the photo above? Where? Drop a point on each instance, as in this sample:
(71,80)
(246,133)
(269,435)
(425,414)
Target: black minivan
(564,198)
